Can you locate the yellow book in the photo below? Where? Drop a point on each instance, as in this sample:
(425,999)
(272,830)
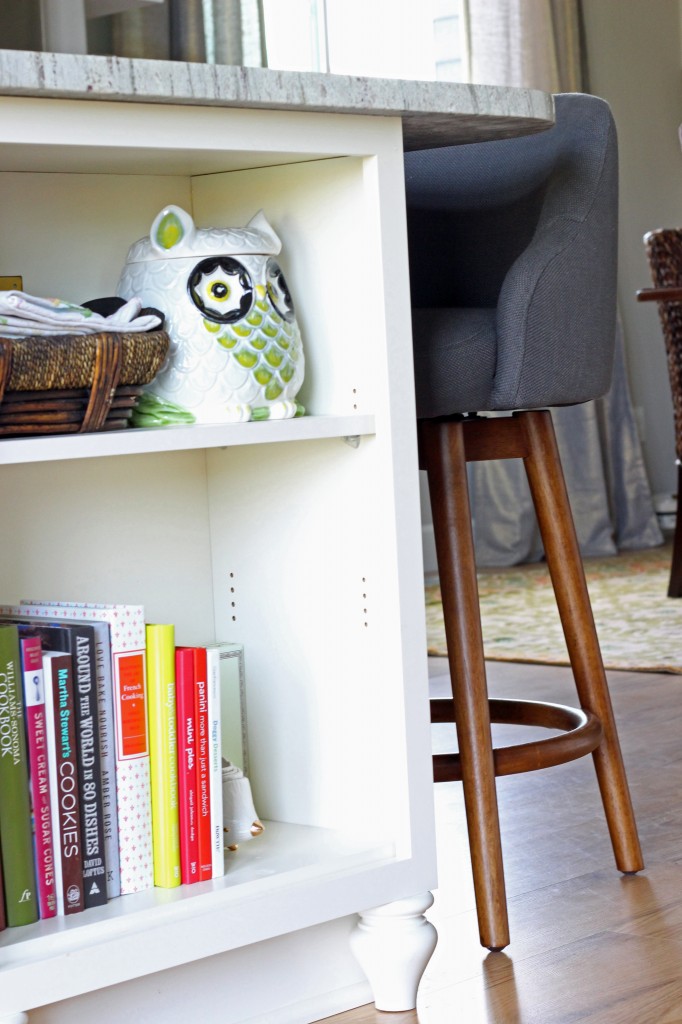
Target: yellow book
(163,754)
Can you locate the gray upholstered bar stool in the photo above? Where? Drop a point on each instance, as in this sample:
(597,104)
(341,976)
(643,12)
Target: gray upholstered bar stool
(513,276)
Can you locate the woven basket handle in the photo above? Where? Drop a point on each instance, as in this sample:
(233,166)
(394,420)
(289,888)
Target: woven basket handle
(5,364)
(108,358)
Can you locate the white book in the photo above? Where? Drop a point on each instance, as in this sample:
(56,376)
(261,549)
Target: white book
(215,760)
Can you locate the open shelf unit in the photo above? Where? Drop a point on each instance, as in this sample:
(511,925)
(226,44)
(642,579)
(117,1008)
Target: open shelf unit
(299,539)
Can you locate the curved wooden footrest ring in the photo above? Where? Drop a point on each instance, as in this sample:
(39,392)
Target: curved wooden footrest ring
(581,733)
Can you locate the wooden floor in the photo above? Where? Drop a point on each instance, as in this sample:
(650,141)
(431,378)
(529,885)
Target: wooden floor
(588,945)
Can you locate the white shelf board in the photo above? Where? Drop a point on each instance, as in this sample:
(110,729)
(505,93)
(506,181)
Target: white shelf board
(281,860)
(138,441)
(141,160)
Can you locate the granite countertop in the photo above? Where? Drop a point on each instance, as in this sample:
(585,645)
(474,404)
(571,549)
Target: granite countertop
(433,113)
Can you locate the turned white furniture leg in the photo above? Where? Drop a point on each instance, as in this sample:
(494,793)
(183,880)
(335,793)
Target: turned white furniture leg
(393,945)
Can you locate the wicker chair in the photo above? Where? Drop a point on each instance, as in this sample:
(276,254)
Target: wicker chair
(664,252)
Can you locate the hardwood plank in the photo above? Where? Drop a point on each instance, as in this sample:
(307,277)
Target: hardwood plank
(588,945)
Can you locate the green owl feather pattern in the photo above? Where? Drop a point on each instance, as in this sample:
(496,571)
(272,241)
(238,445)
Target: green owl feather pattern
(256,324)
(263,343)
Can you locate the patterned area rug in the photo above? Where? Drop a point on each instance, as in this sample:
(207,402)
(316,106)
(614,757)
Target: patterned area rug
(640,629)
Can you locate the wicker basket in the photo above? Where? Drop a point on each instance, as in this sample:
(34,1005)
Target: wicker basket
(68,383)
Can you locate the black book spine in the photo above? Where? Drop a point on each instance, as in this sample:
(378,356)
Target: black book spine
(59,677)
(83,652)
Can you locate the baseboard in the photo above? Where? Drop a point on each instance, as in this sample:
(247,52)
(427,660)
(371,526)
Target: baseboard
(297,978)
(319,1007)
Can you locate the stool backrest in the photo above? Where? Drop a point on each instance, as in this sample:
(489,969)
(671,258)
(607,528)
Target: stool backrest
(527,225)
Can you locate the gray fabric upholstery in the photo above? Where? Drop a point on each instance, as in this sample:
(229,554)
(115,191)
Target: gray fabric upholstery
(459,340)
(513,266)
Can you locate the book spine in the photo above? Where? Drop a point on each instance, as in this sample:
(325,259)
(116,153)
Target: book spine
(215,761)
(107,750)
(89,774)
(59,676)
(187,766)
(36,739)
(234,727)
(133,798)
(203,774)
(163,754)
(133,795)
(16,833)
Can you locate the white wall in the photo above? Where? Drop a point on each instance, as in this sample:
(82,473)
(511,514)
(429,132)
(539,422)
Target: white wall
(635,61)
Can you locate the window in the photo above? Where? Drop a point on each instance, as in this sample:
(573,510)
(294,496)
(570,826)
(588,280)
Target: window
(449,36)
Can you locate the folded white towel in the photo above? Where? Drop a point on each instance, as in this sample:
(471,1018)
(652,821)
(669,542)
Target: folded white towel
(22,315)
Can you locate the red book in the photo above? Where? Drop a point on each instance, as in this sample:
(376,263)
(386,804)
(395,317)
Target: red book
(36,737)
(187,764)
(203,764)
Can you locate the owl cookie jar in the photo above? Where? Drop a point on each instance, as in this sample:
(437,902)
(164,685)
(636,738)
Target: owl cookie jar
(235,348)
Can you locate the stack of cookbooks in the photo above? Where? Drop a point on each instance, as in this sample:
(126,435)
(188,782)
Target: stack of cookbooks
(112,741)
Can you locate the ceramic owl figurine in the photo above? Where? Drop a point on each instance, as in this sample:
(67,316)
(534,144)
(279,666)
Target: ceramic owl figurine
(235,347)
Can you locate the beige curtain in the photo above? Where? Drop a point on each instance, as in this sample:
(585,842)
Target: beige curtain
(535,44)
(539,44)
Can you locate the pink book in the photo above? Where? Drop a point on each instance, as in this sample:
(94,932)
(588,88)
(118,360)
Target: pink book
(36,737)
(187,764)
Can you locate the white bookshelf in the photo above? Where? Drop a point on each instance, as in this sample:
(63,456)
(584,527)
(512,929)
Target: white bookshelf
(299,539)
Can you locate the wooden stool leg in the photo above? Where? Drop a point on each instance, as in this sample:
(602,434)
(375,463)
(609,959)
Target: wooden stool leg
(548,489)
(675,584)
(443,450)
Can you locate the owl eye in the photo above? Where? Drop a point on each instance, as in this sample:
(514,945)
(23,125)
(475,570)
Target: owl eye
(278,290)
(222,289)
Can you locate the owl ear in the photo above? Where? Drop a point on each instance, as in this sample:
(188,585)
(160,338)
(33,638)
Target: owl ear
(172,227)
(261,224)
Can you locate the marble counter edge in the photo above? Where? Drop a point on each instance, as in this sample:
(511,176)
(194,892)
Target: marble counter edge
(433,113)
